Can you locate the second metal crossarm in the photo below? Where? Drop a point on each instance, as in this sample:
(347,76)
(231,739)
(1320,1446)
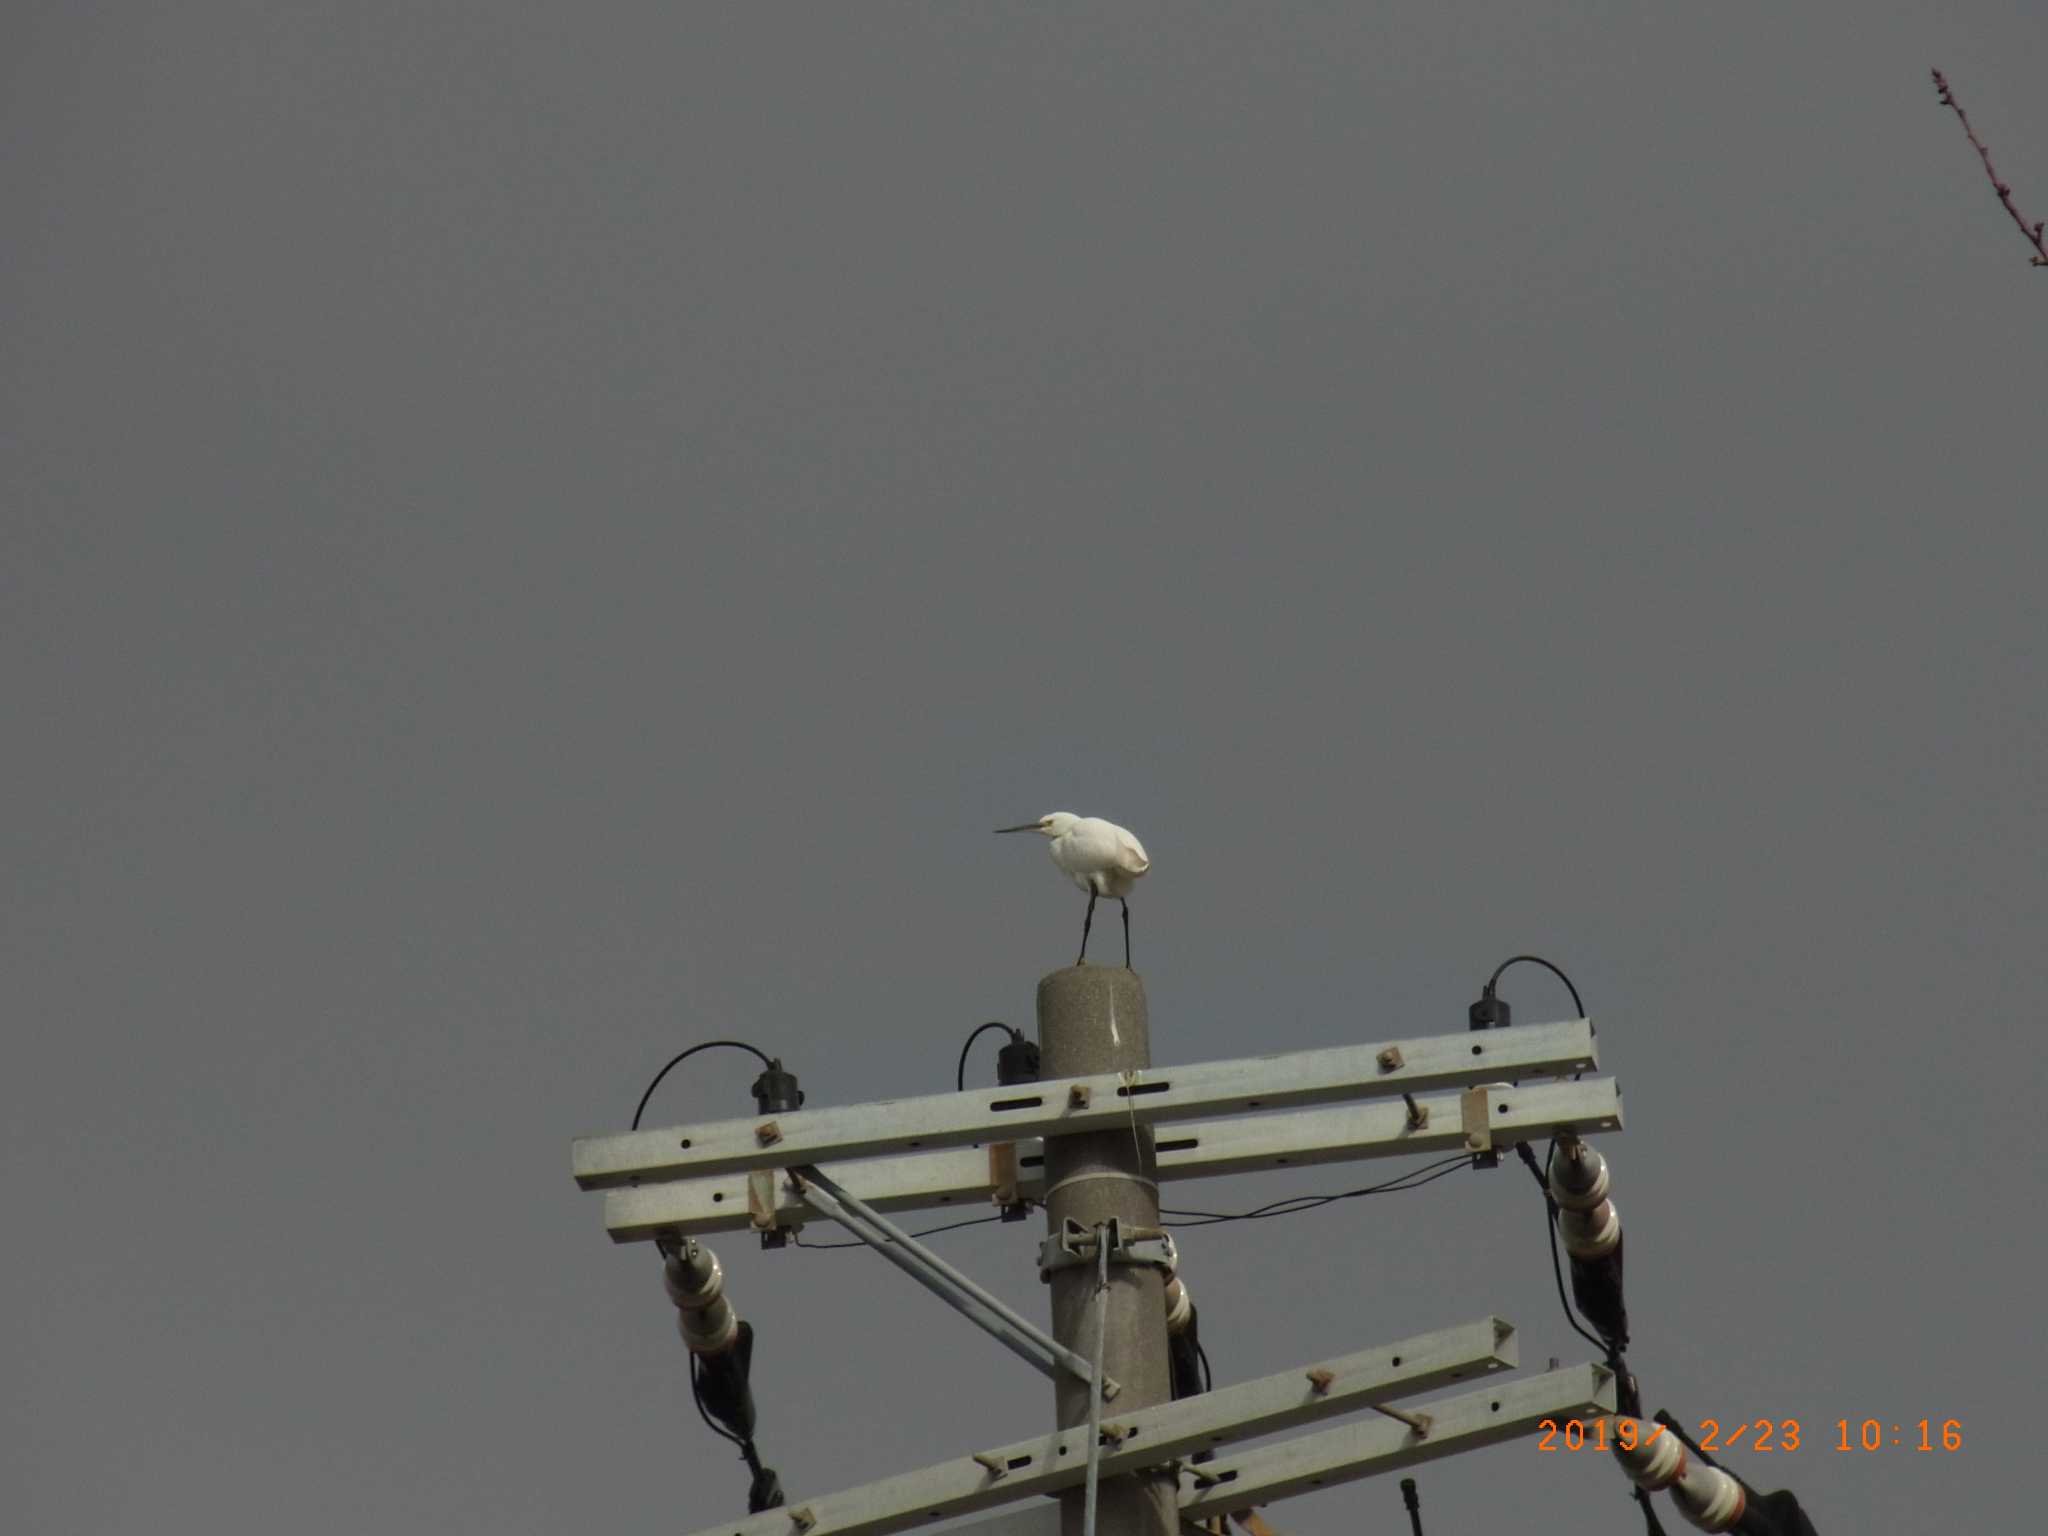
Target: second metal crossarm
(1506,1410)
(1146,1436)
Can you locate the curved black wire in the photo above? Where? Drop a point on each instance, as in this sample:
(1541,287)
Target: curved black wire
(738,1045)
(960,1076)
(1208,1376)
(951,1226)
(1616,1360)
(749,1453)
(1415,1178)
(697,1396)
(1557,1273)
(1494,980)
(1528,1157)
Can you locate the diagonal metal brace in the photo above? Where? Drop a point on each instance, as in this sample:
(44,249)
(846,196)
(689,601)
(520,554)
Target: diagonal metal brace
(1015,1332)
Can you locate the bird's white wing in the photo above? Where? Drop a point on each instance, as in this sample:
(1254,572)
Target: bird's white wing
(1130,854)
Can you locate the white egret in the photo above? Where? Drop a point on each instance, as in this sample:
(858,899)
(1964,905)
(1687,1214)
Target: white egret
(1099,856)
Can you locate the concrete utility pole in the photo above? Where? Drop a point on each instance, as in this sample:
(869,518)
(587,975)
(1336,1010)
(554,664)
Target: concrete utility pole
(1091,1019)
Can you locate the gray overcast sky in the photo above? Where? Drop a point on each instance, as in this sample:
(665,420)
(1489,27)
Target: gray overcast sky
(535,535)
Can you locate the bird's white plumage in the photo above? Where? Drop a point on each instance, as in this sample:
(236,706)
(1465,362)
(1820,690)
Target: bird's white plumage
(1099,856)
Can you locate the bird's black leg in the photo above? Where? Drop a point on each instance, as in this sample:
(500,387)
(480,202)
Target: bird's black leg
(1127,933)
(1086,923)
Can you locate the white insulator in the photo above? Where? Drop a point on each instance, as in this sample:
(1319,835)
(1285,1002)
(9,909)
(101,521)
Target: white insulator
(696,1284)
(1708,1497)
(694,1278)
(1180,1306)
(1590,1234)
(1578,1176)
(1657,1460)
(709,1330)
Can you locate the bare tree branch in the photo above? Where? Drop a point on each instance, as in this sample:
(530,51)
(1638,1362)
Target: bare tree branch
(2033,231)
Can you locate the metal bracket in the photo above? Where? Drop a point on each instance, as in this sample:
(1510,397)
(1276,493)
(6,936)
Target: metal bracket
(1477,1120)
(1421,1423)
(1075,1244)
(1002,1174)
(761,1203)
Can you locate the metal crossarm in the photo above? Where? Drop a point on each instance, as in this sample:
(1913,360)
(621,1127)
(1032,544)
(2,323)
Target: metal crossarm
(1268,1474)
(838,1134)
(1506,1410)
(1144,1437)
(963,1176)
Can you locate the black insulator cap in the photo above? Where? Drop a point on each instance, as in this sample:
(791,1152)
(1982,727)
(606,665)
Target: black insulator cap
(1596,1287)
(722,1384)
(1780,1515)
(1489,1012)
(1184,1361)
(1017,1062)
(766,1492)
(776,1091)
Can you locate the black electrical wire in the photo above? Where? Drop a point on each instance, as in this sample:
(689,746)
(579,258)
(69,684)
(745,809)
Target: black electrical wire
(960,1076)
(1412,1501)
(1415,1178)
(951,1226)
(745,1443)
(1295,1204)
(748,1453)
(1208,1376)
(1557,1273)
(1616,1361)
(737,1045)
(752,1458)
(697,1396)
(1494,980)
(1556,1262)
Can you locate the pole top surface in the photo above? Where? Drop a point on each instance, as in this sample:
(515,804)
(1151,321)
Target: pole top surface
(1076,984)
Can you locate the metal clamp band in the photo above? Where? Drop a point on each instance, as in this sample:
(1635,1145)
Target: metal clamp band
(1082,1178)
(1075,1244)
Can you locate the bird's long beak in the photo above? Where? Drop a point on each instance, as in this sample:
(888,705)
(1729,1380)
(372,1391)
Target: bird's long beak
(1029,826)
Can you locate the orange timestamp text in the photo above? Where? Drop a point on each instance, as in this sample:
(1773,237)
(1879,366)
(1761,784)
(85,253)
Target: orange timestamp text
(1753,1434)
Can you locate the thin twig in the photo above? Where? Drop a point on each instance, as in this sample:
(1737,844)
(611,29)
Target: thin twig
(2031,231)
